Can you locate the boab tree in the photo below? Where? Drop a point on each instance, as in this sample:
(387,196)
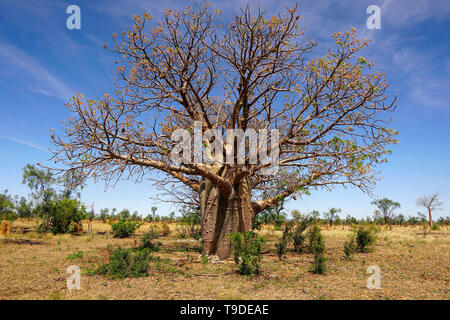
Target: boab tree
(431,203)
(255,73)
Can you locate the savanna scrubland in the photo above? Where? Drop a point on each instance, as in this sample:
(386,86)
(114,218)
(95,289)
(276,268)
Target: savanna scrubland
(414,264)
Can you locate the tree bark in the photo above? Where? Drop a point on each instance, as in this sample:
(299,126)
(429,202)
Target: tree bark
(223,214)
(430,221)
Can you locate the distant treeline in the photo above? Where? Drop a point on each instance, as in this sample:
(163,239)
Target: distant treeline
(55,200)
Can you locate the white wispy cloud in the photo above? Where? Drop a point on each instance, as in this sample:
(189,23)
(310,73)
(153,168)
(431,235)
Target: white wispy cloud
(35,77)
(25,143)
(407,12)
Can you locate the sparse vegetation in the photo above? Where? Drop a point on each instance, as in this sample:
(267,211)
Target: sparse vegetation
(178,265)
(76,255)
(124,263)
(294,231)
(286,236)
(124,228)
(301,223)
(148,237)
(318,249)
(366,237)
(349,247)
(63,216)
(362,240)
(313,238)
(190,223)
(229,116)
(247,248)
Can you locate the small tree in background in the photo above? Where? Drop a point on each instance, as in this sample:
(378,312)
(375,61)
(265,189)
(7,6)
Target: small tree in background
(24,208)
(124,214)
(135,216)
(332,215)
(60,212)
(6,206)
(301,223)
(386,207)
(154,209)
(41,183)
(190,222)
(431,203)
(104,213)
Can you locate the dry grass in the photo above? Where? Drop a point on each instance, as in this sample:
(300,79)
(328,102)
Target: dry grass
(413,266)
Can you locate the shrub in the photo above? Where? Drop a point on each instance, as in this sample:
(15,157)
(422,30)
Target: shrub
(281,248)
(139,264)
(147,240)
(282,245)
(118,264)
(257,222)
(247,249)
(293,230)
(349,247)
(7,209)
(301,223)
(435,227)
(124,228)
(62,216)
(361,240)
(298,238)
(124,263)
(319,264)
(365,237)
(313,235)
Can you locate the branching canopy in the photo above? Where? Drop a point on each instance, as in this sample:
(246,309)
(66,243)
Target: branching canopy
(255,73)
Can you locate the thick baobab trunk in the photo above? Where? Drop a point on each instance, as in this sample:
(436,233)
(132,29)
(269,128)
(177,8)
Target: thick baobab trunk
(222,215)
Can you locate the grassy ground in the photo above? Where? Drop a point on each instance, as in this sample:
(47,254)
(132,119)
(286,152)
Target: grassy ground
(413,266)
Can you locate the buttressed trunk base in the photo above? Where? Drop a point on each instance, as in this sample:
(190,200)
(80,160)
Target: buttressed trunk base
(222,215)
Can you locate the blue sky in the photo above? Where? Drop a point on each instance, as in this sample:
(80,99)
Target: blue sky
(43,63)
